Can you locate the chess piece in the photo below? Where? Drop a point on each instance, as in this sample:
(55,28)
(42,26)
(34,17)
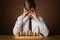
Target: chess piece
(36,34)
(29,33)
(21,33)
(24,33)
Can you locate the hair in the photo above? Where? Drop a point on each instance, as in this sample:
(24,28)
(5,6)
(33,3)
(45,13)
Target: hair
(29,4)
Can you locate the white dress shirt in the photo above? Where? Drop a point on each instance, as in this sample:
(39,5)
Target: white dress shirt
(36,27)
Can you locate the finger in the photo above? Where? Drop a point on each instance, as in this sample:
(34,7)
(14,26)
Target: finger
(26,13)
(31,12)
(24,10)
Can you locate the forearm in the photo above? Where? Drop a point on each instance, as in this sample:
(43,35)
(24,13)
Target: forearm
(43,29)
(17,27)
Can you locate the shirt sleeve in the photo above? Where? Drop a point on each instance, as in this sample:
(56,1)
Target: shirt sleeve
(17,27)
(42,27)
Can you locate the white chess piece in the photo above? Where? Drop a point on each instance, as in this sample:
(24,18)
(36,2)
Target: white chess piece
(21,33)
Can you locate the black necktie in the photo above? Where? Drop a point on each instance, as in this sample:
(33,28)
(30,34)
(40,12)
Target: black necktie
(30,24)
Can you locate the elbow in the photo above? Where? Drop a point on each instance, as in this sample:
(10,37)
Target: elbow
(46,34)
(15,33)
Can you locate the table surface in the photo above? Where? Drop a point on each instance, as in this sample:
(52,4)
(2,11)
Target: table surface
(11,37)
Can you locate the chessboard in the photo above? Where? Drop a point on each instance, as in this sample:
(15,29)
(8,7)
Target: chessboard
(28,37)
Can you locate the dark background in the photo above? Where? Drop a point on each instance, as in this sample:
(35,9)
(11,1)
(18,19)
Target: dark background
(11,9)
